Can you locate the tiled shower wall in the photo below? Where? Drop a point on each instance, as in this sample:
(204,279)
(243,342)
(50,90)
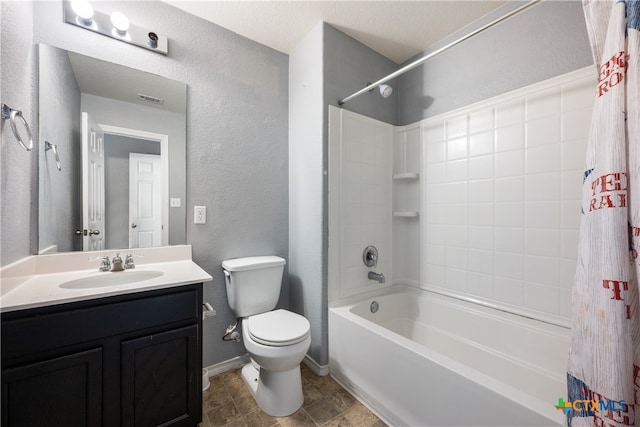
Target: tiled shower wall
(359,200)
(501,187)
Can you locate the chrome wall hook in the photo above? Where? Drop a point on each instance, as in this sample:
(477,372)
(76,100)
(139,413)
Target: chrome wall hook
(49,146)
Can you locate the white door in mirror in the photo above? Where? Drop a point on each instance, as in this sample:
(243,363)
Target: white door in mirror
(199,214)
(145,200)
(93,208)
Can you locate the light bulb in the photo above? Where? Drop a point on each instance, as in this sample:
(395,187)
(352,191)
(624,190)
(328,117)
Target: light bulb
(120,22)
(83,9)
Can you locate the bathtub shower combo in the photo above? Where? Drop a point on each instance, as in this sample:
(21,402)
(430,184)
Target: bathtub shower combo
(474,215)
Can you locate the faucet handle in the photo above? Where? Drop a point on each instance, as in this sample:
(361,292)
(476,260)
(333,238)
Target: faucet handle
(128,262)
(370,256)
(105,265)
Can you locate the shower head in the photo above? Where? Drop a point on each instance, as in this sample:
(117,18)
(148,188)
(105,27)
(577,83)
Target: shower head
(385,90)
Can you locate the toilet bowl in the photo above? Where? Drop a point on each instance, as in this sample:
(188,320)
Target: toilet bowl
(276,340)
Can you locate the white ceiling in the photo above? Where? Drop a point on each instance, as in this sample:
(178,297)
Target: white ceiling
(396,29)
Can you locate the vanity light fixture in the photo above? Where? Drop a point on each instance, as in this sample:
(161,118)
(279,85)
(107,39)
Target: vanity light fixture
(83,10)
(120,23)
(116,25)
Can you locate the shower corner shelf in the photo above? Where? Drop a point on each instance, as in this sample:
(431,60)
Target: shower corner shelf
(405,214)
(406,175)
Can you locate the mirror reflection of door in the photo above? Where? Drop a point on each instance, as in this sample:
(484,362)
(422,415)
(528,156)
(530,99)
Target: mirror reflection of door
(93,217)
(145,196)
(136,171)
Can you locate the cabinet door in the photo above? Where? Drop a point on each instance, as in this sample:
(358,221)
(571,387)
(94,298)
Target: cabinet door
(161,377)
(63,391)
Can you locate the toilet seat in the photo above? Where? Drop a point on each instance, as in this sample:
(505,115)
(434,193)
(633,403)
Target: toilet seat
(278,328)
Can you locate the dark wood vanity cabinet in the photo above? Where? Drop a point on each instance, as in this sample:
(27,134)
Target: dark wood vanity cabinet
(128,360)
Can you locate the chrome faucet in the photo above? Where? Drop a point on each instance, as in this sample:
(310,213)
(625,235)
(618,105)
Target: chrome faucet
(128,262)
(376,276)
(105,265)
(117,263)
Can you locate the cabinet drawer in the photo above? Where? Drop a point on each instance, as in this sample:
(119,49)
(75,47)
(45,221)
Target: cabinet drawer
(95,319)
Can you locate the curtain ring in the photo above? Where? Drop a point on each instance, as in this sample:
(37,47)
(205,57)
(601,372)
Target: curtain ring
(12,115)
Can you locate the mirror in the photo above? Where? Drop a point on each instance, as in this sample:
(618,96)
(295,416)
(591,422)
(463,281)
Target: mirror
(120,137)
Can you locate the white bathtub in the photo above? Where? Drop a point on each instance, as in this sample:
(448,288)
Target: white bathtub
(425,359)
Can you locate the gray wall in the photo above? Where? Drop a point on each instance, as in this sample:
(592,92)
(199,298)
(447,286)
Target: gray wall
(326,66)
(236,134)
(18,168)
(116,192)
(107,111)
(348,67)
(60,192)
(544,41)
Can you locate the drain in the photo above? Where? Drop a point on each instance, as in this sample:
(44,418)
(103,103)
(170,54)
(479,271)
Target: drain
(375,306)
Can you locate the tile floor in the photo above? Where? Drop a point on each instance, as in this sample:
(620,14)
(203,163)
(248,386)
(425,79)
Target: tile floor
(228,402)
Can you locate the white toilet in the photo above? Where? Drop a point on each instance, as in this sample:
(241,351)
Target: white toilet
(276,341)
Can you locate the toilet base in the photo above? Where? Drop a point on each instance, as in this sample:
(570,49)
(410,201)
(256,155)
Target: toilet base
(277,393)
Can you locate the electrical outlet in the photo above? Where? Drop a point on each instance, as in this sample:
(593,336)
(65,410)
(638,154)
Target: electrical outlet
(199,214)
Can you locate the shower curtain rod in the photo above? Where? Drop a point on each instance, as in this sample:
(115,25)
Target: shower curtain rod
(420,61)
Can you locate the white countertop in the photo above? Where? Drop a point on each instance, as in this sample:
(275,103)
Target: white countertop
(35,281)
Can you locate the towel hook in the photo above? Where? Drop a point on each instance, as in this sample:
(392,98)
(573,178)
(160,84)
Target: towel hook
(49,146)
(12,115)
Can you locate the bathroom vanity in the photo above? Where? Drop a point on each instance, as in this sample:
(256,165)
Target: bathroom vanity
(131,357)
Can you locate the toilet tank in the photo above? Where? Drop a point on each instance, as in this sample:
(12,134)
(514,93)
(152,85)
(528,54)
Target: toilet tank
(253,284)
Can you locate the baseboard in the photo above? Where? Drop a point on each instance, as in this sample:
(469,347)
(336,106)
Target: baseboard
(319,370)
(238,361)
(227,365)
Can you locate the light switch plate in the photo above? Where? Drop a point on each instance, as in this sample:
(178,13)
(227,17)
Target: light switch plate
(174,202)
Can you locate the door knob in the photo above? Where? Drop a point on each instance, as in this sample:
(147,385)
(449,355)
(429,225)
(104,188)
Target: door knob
(134,225)
(80,232)
(94,232)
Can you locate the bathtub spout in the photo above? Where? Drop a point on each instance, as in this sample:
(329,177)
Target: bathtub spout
(376,276)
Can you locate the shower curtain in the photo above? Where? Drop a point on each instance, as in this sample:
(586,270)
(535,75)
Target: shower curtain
(603,378)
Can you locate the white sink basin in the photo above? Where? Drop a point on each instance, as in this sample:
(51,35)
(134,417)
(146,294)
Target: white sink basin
(111,279)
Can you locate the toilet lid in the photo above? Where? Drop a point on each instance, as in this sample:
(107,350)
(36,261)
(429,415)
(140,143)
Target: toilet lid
(278,328)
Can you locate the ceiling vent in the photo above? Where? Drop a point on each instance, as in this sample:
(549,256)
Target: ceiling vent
(151,99)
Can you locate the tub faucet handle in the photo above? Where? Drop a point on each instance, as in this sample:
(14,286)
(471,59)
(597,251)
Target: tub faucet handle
(370,256)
